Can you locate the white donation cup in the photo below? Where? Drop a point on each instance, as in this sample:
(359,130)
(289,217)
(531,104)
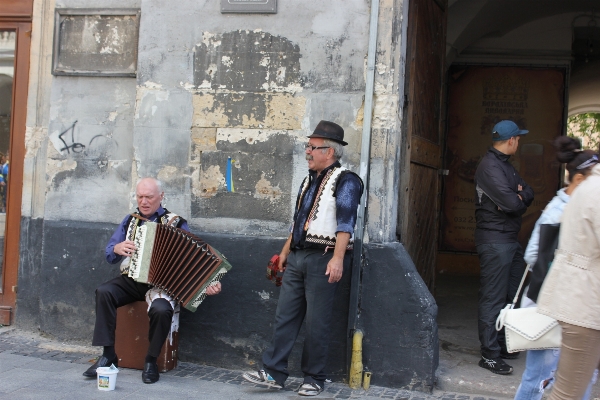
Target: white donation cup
(107,377)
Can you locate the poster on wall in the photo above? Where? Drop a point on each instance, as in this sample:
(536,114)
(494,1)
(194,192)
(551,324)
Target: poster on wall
(478,98)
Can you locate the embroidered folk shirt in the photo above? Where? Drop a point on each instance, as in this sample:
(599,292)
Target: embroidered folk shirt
(347,192)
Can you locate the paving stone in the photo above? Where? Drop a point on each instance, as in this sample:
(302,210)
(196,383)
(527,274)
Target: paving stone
(17,352)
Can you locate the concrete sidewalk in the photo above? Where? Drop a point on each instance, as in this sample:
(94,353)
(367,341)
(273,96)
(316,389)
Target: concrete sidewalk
(33,367)
(456,297)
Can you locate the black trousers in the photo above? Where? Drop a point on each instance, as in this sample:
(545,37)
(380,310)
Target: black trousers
(502,267)
(305,293)
(119,292)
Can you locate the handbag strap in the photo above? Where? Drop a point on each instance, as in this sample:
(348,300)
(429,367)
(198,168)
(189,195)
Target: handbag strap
(520,286)
(502,315)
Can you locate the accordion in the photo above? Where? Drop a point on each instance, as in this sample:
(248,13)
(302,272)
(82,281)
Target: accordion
(176,261)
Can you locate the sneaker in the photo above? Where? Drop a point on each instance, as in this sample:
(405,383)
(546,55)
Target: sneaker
(496,365)
(509,356)
(262,378)
(309,389)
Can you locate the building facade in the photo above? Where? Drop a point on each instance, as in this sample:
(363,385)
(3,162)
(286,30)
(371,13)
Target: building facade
(217,105)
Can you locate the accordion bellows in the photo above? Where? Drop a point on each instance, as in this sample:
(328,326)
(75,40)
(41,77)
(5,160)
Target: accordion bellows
(177,262)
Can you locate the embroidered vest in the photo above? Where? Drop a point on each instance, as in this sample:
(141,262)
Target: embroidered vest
(321,224)
(167,218)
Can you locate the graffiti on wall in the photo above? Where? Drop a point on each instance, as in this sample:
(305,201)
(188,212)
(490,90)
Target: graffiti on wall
(74,146)
(68,142)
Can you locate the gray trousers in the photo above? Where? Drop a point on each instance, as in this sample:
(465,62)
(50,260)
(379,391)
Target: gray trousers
(305,292)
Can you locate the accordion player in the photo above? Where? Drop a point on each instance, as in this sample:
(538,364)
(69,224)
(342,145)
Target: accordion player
(176,261)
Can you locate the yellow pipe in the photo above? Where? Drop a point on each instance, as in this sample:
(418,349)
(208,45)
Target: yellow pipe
(366,380)
(356,365)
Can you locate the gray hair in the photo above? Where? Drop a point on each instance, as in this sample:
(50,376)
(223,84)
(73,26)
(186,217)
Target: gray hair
(158,183)
(338,148)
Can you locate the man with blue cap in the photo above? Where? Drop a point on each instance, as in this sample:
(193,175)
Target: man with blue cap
(501,198)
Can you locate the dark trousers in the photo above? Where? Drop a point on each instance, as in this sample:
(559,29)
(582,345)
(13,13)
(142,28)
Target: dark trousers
(305,292)
(502,267)
(119,292)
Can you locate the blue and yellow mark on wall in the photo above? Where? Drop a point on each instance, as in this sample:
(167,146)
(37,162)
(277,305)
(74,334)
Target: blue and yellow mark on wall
(229,175)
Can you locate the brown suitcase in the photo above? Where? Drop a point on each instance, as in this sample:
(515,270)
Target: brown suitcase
(131,339)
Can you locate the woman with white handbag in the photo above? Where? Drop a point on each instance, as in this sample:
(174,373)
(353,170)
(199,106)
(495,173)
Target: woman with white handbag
(541,364)
(571,290)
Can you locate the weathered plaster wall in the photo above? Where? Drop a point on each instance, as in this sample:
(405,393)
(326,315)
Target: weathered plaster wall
(234,86)
(90,184)
(386,126)
(90,133)
(248,88)
(98,4)
(89,154)
(38,110)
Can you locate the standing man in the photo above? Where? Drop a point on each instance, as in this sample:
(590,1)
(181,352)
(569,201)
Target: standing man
(124,290)
(501,198)
(314,258)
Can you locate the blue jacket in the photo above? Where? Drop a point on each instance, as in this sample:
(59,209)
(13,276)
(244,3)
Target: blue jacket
(498,208)
(550,215)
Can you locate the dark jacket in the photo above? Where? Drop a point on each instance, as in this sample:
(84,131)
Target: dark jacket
(498,208)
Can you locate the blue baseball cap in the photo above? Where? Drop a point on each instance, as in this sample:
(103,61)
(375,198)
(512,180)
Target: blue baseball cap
(506,129)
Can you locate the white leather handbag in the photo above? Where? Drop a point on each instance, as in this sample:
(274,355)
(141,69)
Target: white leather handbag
(526,329)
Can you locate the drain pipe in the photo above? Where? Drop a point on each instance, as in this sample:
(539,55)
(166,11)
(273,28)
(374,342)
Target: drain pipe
(365,152)
(356,366)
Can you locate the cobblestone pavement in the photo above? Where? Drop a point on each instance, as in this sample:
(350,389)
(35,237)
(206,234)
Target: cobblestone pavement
(16,343)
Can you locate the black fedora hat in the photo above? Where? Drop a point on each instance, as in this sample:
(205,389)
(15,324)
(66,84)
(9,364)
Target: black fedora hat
(329,130)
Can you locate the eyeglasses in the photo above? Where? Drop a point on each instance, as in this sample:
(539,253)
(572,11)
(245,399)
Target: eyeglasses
(313,148)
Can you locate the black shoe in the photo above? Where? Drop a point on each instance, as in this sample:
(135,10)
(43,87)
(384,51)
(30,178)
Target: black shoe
(509,356)
(496,365)
(100,362)
(150,374)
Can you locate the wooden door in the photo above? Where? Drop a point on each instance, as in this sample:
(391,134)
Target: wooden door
(422,146)
(15,16)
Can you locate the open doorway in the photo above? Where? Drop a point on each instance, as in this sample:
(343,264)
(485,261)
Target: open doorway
(535,35)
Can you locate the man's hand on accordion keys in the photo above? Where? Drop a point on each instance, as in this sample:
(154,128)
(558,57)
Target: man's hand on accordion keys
(213,289)
(125,248)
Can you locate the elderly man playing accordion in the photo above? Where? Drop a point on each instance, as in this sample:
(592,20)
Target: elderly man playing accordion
(124,290)
(314,257)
